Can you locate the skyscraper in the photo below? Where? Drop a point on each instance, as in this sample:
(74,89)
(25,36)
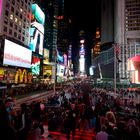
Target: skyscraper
(15,60)
(15,19)
(120,23)
(127,31)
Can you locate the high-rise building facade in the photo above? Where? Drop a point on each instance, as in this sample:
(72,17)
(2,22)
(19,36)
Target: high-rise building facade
(15,19)
(120,24)
(15,55)
(107,19)
(127,32)
(63,34)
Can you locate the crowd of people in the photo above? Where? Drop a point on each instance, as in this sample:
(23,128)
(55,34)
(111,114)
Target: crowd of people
(75,106)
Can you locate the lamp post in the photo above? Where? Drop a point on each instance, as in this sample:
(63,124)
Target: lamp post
(55,70)
(114,45)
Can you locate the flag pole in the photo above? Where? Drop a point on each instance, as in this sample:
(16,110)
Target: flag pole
(115,68)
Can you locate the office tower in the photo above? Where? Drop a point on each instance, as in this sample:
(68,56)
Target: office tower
(120,24)
(15,60)
(15,19)
(56,26)
(63,34)
(107,24)
(127,32)
(96,49)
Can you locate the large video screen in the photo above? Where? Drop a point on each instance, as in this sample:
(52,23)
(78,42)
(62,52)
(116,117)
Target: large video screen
(46,56)
(82,64)
(37,37)
(60,58)
(16,55)
(134,69)
(37,30)
(60,70)
(35,65)
(38,14)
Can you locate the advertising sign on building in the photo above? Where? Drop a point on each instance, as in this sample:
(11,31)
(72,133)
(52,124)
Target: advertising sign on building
(37,30)
(46,56)
(16,55)
(35,65)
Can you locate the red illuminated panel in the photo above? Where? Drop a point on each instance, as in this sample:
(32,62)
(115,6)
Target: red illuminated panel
(134,68)
(35,60)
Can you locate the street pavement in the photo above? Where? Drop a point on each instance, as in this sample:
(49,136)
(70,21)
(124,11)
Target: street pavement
(31,98)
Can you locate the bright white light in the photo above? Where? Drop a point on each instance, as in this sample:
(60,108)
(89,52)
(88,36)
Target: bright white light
(82,64)
(91,72)
(16,55)
(82,41)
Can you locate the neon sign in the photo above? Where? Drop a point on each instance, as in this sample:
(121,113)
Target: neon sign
(22,76)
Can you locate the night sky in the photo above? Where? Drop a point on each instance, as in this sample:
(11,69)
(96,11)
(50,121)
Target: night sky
(85,15)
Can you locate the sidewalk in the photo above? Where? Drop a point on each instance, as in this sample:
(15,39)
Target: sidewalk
(31,97)
(30,94)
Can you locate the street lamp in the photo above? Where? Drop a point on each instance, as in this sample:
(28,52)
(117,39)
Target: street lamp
(114,45)
(55,70)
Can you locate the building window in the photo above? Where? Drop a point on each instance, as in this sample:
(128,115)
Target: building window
(16,20)
(17,13)
(19,30)
(16,27)
(6,20)
(23,32)
(12,9)
(23,39)
(11,17)
(5,29)
(21,10)
(20,16)
(24,26)
(22,4)
(19,23)
(6,13)
(24,19)
(7,5)
(11,24)
(13,2)
(10,31)
(15,34)
(19,37)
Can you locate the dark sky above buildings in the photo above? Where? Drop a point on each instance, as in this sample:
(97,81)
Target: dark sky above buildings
(85,15)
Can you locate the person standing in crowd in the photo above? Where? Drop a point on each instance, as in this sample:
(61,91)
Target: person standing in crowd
(6,130)
(36,116)
(102,135)
(25,124)
(70,121)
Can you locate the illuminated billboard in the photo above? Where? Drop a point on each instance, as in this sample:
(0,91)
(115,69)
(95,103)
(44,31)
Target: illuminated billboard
(35,67)
(38,14)
(70,52)
(36,30)
(16,55)
(82,50)
(47,72)
(134,69)
(82,64)
(60,70)
(46,56)
(65,59)
(82,58)
(60,58)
